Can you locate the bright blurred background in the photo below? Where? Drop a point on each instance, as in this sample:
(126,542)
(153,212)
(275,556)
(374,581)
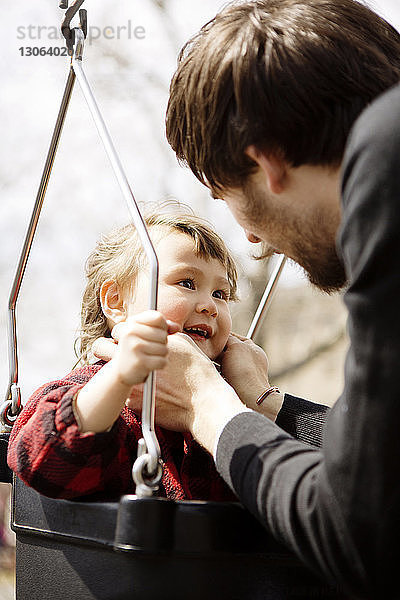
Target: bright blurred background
(305,331)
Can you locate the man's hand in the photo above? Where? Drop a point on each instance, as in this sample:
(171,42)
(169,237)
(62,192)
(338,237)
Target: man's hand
(245,368)
(191,395)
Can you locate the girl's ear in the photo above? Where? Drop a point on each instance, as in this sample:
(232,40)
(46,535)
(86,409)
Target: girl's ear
(112,302)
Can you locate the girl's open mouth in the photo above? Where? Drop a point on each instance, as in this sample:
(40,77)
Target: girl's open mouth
(199,332)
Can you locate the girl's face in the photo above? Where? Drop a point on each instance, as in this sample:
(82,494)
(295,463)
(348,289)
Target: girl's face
(192,291)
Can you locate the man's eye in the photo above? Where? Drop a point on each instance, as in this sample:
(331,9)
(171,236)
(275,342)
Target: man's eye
(187,283)
(221,295)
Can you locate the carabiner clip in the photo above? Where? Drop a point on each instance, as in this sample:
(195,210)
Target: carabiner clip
(66,30)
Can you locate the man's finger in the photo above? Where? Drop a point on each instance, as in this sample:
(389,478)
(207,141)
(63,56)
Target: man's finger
(117,330)
(187,340)
(234,339)
(173,327)
(239,337)
(104,348)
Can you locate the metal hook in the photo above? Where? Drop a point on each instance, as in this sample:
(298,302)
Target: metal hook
(66,30)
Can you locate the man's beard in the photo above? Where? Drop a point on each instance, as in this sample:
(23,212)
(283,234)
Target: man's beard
(327,275)
(325,271)
(313,250)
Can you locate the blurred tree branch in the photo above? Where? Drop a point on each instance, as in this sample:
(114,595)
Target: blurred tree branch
(315,353)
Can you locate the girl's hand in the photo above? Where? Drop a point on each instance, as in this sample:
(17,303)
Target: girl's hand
(105,348)
(142,346)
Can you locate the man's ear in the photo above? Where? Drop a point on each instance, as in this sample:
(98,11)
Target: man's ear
(112,301)
(273,166)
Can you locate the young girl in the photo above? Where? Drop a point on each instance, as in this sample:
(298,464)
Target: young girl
(78,436)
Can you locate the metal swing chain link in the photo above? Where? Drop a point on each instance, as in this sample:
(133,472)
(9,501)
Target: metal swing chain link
(11,408)
(68,33)
(146,484)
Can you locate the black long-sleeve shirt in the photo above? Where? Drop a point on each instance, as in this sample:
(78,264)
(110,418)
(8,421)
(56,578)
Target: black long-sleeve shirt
(302,419)
(338,507)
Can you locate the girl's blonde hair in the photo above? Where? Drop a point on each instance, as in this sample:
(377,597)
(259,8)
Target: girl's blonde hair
(119,256)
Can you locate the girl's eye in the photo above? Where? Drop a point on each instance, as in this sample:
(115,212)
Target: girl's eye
(221,295)
(187,283)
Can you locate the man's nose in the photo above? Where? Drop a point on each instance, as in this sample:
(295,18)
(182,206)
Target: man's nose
(251,237)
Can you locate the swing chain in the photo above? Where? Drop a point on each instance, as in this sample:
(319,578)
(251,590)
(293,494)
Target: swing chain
(11,408)
(66,30)
(146,485)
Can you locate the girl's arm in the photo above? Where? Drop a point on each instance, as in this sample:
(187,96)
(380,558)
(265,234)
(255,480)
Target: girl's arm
(63,456)
(142,348)
(48,452)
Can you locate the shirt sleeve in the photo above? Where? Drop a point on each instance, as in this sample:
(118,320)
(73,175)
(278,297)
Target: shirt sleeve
(338,507)
(302,419)
(48,452)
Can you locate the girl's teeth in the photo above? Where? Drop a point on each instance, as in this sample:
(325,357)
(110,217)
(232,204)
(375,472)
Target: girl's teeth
(197,332)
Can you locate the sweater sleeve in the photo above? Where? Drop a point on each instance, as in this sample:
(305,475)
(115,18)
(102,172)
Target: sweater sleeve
(338,507)
(48,452)
(282,481)
(302,419)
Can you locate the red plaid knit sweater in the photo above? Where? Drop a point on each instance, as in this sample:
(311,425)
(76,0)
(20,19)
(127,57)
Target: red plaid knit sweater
(48,452)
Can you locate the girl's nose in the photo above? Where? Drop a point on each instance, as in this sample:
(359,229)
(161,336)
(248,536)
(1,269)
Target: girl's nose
(207,306)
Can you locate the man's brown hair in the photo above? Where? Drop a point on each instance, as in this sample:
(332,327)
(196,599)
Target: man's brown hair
(290,76)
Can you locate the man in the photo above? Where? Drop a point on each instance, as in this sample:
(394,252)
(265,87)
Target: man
(261,109)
